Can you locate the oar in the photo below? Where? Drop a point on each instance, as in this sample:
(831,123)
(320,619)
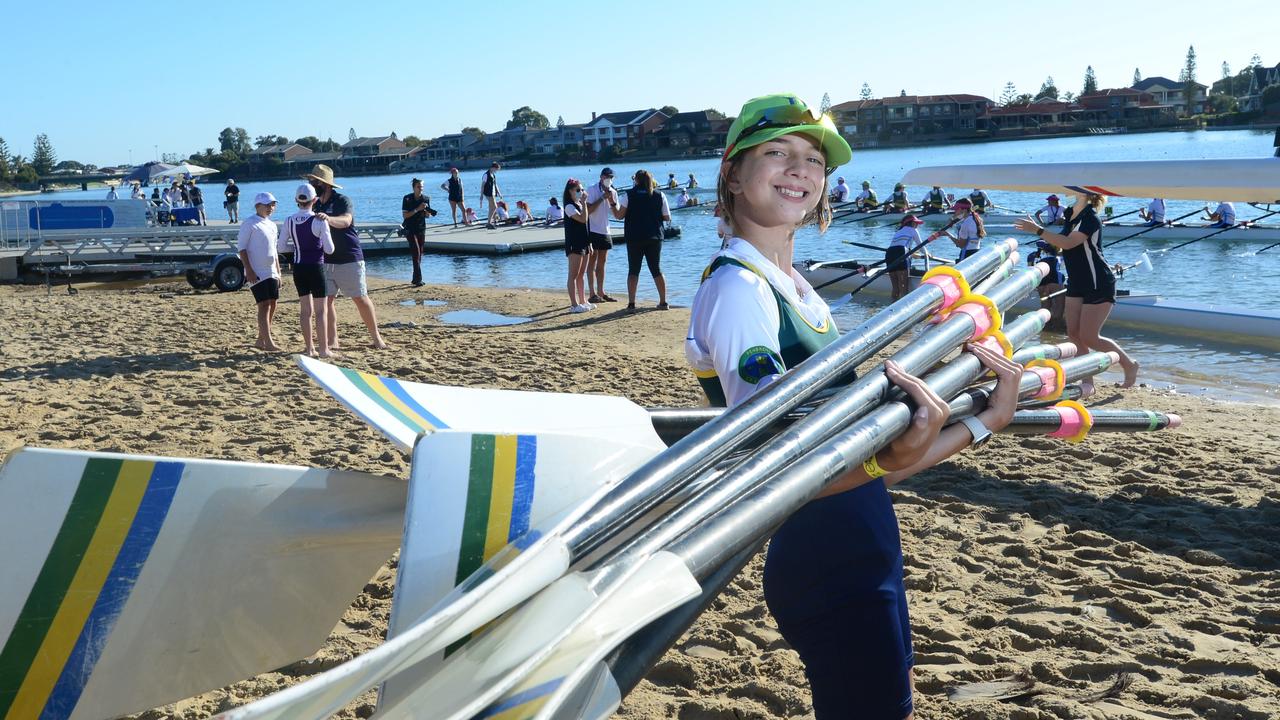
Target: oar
(1144,231)
(864,245)
(1268,248)
(849,219)
(504,581)
(1237,226)
(1114,218)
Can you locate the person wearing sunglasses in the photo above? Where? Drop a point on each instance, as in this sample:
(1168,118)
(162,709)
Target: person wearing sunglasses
(833,575)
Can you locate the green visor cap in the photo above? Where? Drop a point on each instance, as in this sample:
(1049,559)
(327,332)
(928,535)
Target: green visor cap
(772,116)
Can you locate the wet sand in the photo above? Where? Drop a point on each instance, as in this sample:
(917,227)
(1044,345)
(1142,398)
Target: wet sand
(1149,559)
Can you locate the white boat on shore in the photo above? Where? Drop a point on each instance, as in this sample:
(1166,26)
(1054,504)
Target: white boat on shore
(1233,325)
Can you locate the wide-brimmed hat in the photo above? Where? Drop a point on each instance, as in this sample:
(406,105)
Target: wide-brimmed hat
(322,173)
(1052,198)
(765,118)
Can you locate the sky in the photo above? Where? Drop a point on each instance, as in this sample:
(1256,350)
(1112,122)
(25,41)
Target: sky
(114,83)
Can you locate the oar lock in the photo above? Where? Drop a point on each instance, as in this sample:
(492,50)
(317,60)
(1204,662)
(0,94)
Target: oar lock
(1076,421)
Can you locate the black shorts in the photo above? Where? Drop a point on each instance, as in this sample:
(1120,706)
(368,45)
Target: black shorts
(578,248)
(309,279)
(1103,292)
(457,198)
(268,289)
(600,241)
(895,258)
(648,251)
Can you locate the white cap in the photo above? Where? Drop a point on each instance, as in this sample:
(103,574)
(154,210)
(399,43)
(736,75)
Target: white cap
(264,198)
(305,193)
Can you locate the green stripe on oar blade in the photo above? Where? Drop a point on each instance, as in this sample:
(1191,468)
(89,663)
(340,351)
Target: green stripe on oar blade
(60,566)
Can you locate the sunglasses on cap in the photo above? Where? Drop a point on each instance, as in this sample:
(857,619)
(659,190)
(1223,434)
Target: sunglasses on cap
(786,116)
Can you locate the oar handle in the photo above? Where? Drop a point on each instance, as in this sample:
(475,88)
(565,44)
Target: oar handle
(1153,227)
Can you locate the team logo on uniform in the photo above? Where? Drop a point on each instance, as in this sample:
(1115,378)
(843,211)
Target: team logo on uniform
(757,363)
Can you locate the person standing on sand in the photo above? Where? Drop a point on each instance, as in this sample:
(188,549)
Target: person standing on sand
(344,267)
(833,576)
(489,193)
(310,239)
(1091,285)
(577,245)
(232,193)
(414,207)
(602,200)
(643,208)
(453,186)
(256,245)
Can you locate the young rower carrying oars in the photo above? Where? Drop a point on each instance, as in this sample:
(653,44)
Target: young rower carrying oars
(1091,285)
(833,576)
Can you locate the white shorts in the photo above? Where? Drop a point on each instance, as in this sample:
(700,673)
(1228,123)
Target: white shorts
(345,277)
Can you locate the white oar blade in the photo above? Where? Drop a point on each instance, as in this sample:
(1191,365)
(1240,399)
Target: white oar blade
(133,581)
(553,665)
(470,493)
(402,410)
(1239,180)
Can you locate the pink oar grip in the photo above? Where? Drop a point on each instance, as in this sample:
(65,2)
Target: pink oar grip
(1174,421)
(1071,422)
(951,290)
(1048,380)
(1067,349)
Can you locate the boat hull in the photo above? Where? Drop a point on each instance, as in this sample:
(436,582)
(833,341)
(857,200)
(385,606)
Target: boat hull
(938,219)
(1258,233)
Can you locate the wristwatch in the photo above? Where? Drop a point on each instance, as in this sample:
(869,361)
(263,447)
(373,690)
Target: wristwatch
(979,431)
(1040,232)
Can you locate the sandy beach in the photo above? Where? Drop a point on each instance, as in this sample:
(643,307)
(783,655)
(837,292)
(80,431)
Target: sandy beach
(1130,576)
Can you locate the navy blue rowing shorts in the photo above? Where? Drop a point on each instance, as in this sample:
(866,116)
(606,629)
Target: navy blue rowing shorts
(833,581)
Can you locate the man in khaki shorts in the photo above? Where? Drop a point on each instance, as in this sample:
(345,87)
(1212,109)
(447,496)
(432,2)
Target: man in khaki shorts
(344,269)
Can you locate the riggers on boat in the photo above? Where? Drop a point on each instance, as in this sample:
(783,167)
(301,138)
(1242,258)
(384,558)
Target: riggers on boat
(1263,232)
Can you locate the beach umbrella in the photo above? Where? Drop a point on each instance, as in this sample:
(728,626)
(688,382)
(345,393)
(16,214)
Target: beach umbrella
(183,170)
(144,172)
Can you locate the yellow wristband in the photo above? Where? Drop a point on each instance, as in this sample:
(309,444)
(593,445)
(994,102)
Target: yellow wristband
(873,469)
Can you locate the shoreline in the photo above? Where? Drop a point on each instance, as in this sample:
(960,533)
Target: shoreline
(1140,555)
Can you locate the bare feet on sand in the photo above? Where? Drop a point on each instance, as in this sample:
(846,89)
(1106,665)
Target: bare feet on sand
(1130,374)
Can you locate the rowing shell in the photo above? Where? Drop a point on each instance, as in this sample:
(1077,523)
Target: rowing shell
(1237,180)
(1257,233)
(930,218)
(1240,326)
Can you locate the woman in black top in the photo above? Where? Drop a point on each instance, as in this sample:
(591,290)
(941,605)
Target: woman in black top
(644,209)
(1091,286)
(453,186)
(577,244)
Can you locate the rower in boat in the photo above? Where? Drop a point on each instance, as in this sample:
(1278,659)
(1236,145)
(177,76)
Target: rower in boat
(684,199)
(969,231)
(1052,212)
(841,192)
(693,181)
(671,181)
(980,200)
(934,201)
(898,200)
(1224,216)
(1153,213)
(866,199)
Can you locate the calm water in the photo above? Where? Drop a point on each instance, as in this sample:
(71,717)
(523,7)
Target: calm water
(1212,272)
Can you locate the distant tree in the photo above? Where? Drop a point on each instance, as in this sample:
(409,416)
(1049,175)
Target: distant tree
(1226,75)
(315,144)
(826,103)
(1137,76)
(26,174)
(1188,73)
(559,122)
(1023,99)
(1010,92)
(264,140)
(1068,96)
(1090,81)
(865,93)
(668,110)
(6,169)
(1048,89)
(43,158)
(474,132)
(69,165)
(902,93)
(528,117)
(1255,61)
(714,114)
(351,134)
(412,140)
(234,140)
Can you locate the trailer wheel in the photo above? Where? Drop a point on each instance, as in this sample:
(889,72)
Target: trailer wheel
(228,275)
(199,279)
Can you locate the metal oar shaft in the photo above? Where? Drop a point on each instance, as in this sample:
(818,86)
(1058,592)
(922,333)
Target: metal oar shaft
(661,477)
(1043,422)
(1153,227)
(1219,231)
(858,399)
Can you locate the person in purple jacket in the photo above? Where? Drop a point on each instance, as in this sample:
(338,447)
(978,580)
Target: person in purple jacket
(310,239)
